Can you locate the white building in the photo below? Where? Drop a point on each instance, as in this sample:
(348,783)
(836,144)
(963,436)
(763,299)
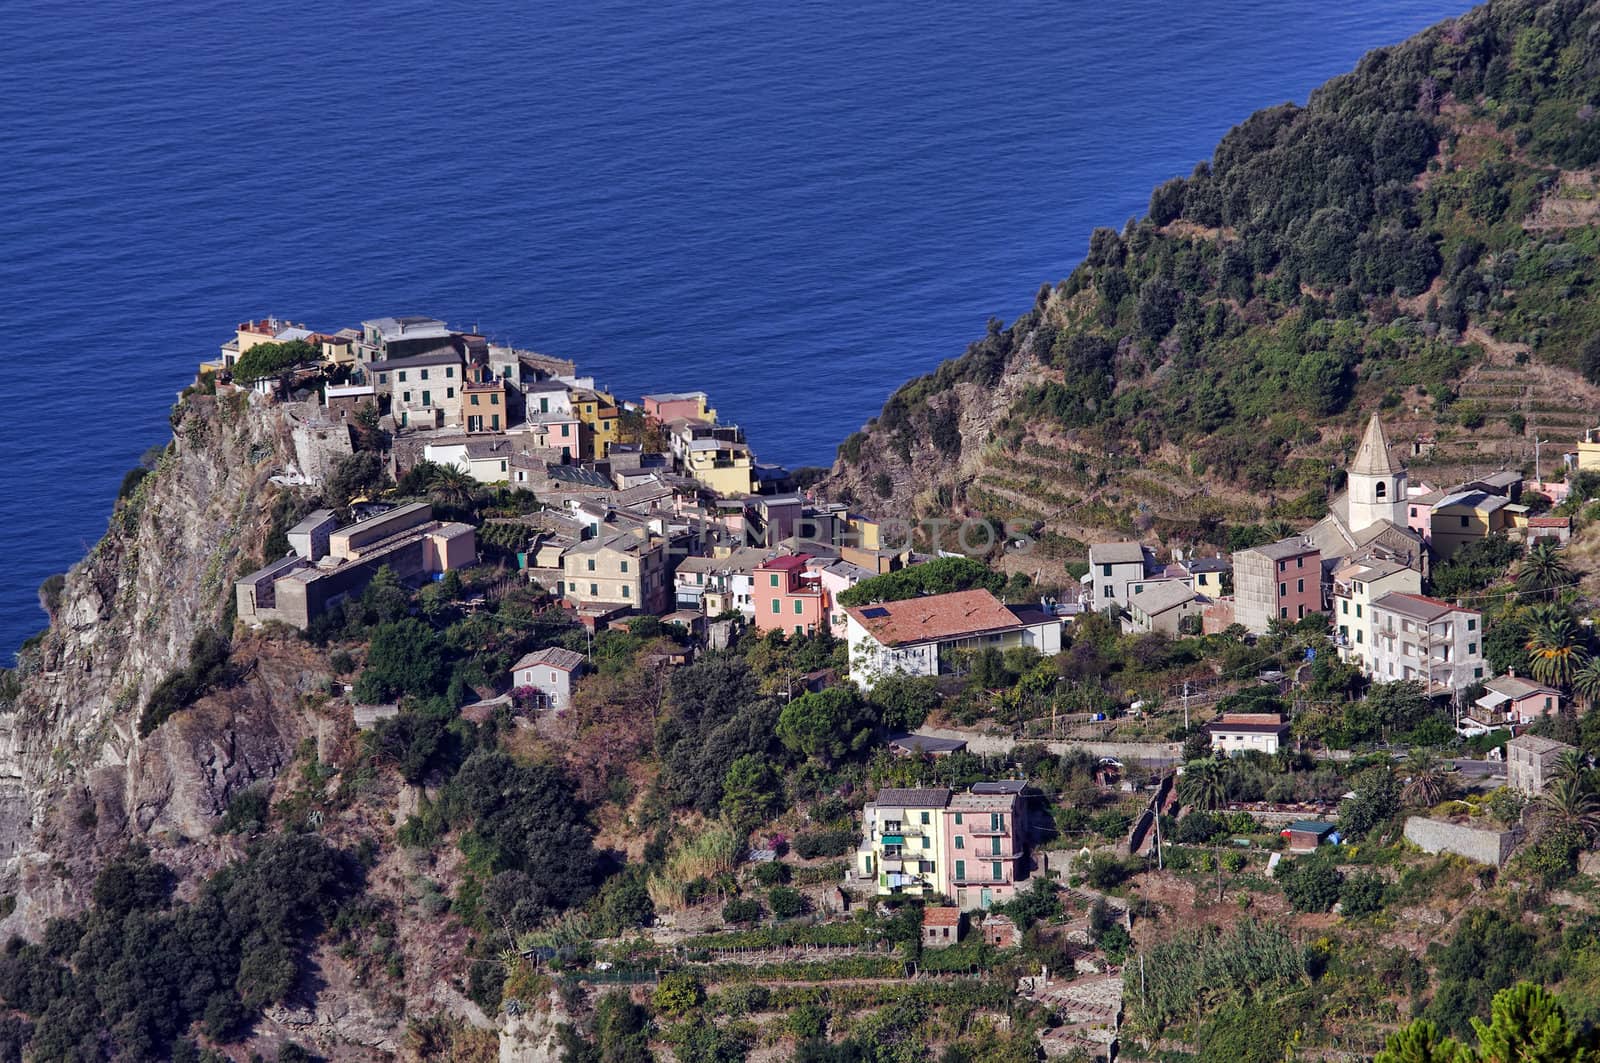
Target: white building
(1356,585)
(1434,643)
(1112,567)
(1246,732)
(485,459)
(915,636)
(550,672)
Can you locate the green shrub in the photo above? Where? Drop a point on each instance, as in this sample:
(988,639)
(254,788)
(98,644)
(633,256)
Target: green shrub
(786,902)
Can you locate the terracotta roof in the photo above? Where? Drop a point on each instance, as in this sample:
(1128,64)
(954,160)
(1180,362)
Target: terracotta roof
(1549,522)
(941,917)
(935,618)
(1249,723)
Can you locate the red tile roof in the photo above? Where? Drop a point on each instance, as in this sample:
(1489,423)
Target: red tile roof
(786,563)
(1549,522)
(941,917)
(936,618)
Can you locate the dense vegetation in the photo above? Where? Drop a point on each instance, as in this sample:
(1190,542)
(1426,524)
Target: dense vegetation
(1348,247)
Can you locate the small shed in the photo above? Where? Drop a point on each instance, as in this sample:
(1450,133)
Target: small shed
(999,931)
(941,926)
(1307,834)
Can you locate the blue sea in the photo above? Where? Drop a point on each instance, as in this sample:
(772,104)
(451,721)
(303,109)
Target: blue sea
(795,206)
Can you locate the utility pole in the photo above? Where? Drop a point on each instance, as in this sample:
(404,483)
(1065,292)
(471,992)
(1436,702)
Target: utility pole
(1537,443)
(1186,705)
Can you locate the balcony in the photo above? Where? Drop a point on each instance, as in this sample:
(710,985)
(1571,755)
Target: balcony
(988,831)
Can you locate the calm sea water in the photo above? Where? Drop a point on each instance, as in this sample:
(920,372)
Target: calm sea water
(794,206)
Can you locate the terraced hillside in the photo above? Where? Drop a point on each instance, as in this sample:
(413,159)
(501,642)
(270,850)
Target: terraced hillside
(1420,239)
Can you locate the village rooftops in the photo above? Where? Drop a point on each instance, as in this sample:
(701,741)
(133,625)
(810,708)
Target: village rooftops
(576,474)
(1116,554)
(1417,606)
(1207,564)
(935,618)
(539,387)
(921,797)
(1000,786)
(552,656)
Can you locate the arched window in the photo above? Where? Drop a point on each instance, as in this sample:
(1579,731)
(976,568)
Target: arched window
(1383,488)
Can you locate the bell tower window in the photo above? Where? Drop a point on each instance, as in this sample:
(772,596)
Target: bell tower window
(1382,489)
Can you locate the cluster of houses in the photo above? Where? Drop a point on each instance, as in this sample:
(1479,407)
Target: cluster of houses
(670,515)
(1363,565)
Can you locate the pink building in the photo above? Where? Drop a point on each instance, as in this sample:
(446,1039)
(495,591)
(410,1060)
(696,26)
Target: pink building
(984,844)
(1419,512)
(669,406)
(789,596)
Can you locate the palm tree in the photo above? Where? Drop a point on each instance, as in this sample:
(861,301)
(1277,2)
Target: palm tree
(1555,648)
(1568,804)
(1543,569)
(1429,782)
(1204,785)
(1569,765)
(1586,681)
(452,485)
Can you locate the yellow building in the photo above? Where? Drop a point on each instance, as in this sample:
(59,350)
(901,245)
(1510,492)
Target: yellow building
(1589,450)
(1467,517)
(597,413)
(617,569)
(483,405)
(901,850)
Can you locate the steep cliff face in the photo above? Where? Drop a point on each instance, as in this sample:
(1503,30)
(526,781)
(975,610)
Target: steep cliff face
(76,780)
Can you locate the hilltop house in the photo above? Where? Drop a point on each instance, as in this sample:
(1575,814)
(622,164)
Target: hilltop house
(902,841)
(916,636)
(550,674)
(1468,516)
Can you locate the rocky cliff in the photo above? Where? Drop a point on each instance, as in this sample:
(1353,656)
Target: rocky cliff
(76,780)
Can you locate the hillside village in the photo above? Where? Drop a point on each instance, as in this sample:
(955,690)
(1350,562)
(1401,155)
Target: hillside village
(876,759)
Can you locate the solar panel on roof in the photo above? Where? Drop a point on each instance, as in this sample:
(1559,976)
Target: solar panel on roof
(875,612)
